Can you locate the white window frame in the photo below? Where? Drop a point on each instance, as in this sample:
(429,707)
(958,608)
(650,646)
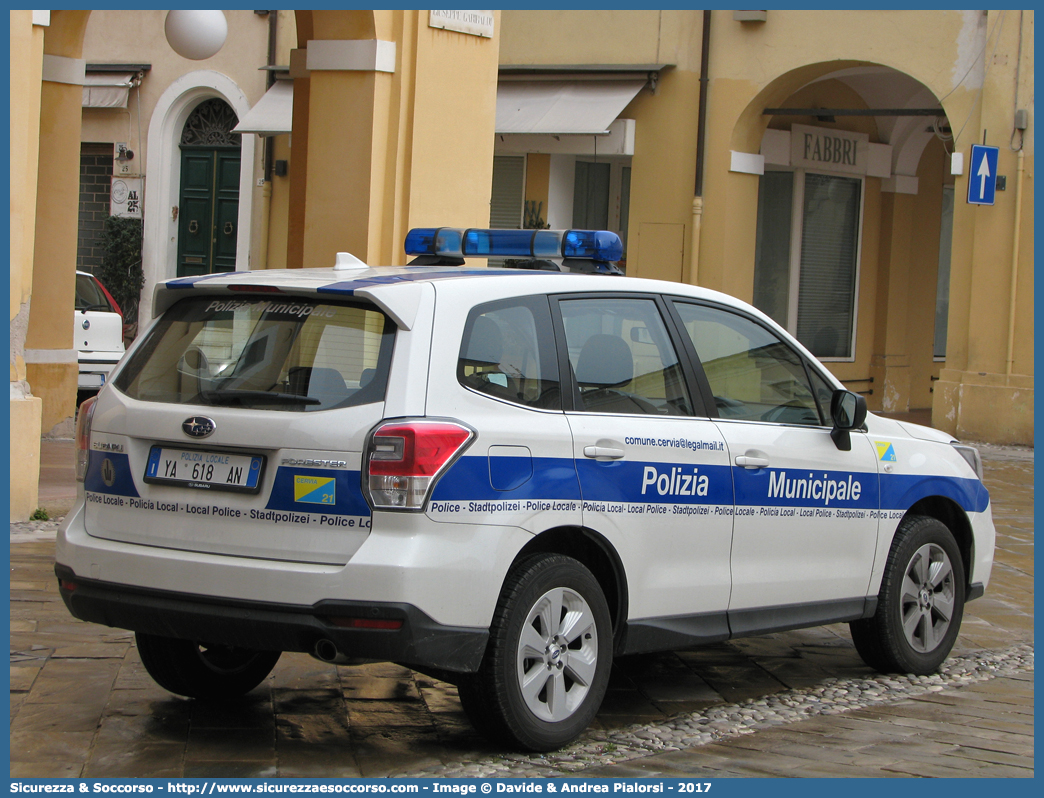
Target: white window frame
(797,223)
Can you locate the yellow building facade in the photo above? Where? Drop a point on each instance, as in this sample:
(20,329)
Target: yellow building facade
(392,113)
(809,162)
(830,195)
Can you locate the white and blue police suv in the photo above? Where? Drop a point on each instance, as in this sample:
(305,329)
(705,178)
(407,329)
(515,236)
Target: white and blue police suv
(501,477)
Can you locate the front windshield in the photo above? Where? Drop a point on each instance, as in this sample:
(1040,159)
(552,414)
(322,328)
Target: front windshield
(276,354)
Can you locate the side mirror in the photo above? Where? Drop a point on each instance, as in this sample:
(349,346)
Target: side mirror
(848,412)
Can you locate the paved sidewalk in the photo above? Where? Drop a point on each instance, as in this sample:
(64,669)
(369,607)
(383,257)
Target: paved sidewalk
(82,705)
(985,730)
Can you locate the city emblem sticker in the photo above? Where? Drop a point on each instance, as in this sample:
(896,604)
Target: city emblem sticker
(885,452)
(108,471)
(315,490)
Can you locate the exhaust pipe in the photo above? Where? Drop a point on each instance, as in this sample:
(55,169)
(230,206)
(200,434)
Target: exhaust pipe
(326,650)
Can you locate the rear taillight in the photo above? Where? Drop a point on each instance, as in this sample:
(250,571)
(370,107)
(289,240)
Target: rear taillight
(405,458)
(83,436)
(389,624)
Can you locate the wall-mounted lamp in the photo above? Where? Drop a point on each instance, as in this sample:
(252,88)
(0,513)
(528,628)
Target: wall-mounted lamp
(196,35)
(122,153)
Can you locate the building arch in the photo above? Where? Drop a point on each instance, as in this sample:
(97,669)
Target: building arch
(163,179)
(877,86)
(893,267)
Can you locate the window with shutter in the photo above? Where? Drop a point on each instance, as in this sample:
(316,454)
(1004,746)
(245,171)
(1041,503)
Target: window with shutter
(509,185)
(807,257)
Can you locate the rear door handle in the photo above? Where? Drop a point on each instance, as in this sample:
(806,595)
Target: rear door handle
(603,451)
(751,462)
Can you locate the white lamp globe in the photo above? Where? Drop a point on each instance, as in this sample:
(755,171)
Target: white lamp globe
(195,35)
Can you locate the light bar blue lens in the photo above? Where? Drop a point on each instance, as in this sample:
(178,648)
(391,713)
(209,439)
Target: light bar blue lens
(594,244)
(421,241)
(600,245)
(503,243)
(444,241)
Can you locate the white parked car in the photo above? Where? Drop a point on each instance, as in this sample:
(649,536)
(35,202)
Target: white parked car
(97,331)
(502,478)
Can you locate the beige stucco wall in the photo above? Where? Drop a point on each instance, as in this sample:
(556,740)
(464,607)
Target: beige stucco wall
(54,258)
(452,135)
(51,368)
(138,38)
(24,442)
(770,64)
(985,391)
(416,137)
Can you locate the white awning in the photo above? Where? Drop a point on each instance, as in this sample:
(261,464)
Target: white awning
(562,106)
(107,89)
(274,113)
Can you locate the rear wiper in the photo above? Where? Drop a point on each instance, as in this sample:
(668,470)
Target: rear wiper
(233,395)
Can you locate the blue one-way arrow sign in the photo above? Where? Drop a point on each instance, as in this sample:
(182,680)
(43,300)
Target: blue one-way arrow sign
(982,181)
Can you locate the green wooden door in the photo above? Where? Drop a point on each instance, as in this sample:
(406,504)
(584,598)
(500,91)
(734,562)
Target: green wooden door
(209,210)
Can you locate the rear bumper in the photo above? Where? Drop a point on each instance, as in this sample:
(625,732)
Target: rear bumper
(94,368)
(418,642)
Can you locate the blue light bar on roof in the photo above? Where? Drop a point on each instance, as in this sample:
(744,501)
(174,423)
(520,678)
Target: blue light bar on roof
(599,245)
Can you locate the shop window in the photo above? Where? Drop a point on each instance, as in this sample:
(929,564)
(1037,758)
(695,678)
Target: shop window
(805,274)
(772,247)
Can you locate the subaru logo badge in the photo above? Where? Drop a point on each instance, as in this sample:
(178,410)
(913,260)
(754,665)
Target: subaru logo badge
(198,426)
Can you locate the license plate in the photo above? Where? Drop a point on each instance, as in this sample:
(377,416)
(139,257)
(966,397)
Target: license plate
(193,468)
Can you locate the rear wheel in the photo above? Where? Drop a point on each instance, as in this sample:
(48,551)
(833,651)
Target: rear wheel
(921,602)
(202,670)
(548,660)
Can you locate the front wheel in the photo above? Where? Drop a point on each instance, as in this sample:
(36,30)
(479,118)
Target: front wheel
(202,670)
(921,602)
(549,655)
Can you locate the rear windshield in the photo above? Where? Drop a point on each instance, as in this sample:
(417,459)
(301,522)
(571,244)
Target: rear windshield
(89,295)
(273,354)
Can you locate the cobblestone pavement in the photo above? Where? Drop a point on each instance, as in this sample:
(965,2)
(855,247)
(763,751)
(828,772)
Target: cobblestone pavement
(792,704)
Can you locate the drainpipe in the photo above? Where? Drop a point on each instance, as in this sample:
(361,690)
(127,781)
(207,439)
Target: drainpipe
(693,276)
(266,190)
(1015,265)
(273,18)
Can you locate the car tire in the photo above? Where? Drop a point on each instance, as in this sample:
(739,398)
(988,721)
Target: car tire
(200,670)
(547,663)
(920,604)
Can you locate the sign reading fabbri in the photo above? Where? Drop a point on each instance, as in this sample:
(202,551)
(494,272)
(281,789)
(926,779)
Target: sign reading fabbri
(477,23)
(829,150)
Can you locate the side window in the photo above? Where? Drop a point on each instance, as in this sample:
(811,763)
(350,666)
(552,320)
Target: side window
(622,357)
(824,392)
(752,373)
(508,352)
